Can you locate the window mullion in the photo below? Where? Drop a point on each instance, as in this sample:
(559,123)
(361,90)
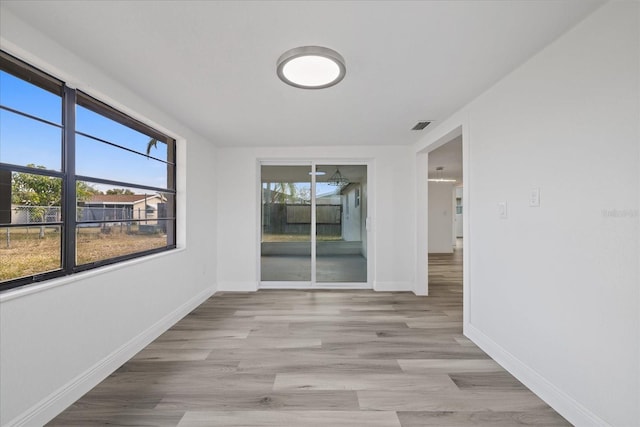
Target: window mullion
(171,183)
(69,168)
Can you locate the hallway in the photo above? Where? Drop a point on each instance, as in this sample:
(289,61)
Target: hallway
(317,358)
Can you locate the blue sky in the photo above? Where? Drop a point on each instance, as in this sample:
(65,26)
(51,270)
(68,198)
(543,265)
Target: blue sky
(24,141)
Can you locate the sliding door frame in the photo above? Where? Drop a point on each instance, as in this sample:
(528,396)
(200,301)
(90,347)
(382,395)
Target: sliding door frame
(370,230)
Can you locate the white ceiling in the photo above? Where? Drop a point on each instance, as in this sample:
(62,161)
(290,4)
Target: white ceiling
(212,64)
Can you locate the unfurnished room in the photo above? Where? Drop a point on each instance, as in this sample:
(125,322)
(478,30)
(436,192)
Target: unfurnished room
(320,213)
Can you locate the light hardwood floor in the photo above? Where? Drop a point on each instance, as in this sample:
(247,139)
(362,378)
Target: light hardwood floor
(317,358)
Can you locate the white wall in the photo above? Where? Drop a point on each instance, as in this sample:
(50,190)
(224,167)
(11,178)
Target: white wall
(63,336)
(440,217)
(390,205)
(554,290)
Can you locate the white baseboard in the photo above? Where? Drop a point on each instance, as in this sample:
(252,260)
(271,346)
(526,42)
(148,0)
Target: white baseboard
(564,404)
(237,286)
(393,286)
(45,410)
(421,292)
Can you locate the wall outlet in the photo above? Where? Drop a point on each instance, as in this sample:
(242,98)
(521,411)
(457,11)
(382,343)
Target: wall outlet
(502,210)
(534,198)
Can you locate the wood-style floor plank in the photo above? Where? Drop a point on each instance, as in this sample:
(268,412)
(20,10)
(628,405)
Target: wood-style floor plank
(540,418)
(290,418)
(433,382)
(449,365)
(317,358)
(225,399)
(92,417)
(456,401)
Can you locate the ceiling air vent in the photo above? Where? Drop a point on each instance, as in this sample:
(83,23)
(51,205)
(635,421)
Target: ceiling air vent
(420,125)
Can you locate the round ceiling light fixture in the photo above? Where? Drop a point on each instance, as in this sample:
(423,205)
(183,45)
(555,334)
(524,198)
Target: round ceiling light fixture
(311,67)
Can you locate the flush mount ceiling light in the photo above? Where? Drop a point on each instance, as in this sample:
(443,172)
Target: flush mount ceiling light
(440,176)
(311,67)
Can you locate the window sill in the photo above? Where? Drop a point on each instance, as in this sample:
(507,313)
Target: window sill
(54,283)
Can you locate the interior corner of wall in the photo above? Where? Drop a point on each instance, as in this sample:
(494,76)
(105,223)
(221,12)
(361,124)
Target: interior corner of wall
(229,286)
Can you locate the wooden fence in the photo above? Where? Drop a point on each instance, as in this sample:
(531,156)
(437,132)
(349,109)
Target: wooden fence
(295,219)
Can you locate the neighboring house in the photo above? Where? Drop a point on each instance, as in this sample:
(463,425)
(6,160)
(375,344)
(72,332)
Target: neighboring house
(119,207)
(330,198)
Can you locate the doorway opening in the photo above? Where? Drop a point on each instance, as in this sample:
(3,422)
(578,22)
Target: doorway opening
(313,225)
(446,228)
(443,244)
(445,189)
(445,232)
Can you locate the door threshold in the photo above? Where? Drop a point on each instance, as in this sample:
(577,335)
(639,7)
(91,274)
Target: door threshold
(308,286)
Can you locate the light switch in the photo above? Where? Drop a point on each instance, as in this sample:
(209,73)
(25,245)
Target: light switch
(534,198)
(502,210)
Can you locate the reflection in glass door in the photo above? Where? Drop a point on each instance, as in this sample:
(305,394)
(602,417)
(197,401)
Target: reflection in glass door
(286,224)
(341,212)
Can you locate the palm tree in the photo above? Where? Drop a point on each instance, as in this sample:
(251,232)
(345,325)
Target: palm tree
(153,143)
(283,192)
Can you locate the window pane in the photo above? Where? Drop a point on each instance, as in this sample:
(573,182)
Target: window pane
(26,251)
(25,97)
(286,223)
(102,127)
(341,236)
(35,198)
(100,160)
(101,241)
(124,222)
(26,142)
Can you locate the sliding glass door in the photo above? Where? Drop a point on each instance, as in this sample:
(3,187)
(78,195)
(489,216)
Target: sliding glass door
(341,237)
(313,225)
(286,224)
